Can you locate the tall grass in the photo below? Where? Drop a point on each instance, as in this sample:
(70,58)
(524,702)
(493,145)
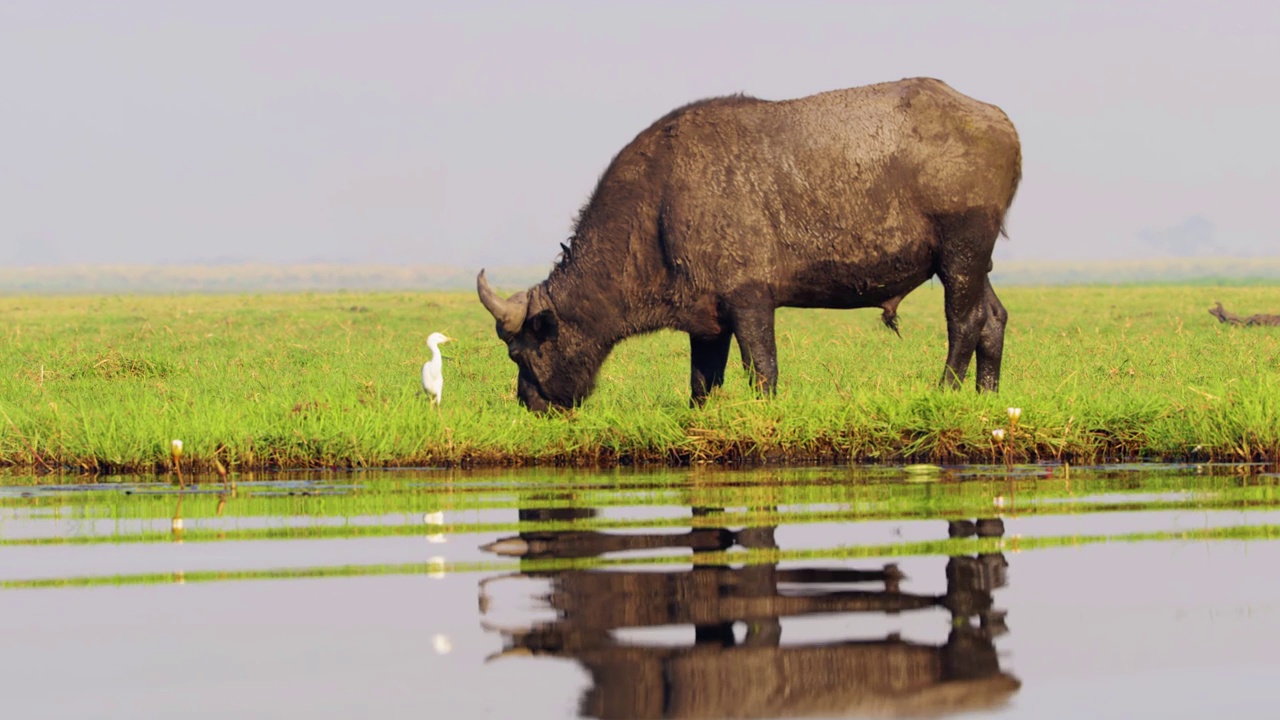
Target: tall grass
(104,383)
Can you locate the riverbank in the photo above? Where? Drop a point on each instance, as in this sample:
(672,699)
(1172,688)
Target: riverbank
(103,384)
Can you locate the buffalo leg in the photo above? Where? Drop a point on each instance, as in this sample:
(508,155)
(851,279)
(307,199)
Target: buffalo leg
(708,357)
(991,341)
(754,330)
(965,317)
(967,240)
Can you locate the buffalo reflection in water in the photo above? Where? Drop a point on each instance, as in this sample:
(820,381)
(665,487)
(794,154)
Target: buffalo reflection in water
(722,676)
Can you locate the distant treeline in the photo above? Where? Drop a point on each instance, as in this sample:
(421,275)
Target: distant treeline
(1208,271)
(330,277)
(251,278)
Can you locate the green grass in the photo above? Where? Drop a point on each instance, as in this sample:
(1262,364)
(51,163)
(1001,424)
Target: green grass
(103,383)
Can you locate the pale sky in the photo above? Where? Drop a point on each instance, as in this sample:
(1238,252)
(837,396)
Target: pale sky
(402,131)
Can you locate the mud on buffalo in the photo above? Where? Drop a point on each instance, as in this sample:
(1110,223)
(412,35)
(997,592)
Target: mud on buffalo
(728,208)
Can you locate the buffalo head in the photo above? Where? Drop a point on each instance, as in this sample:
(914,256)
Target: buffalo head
(553,367)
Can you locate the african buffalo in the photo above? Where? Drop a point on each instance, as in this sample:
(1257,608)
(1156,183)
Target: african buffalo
(728,208)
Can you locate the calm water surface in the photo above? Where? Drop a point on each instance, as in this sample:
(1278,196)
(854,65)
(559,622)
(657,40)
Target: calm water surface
(868,592)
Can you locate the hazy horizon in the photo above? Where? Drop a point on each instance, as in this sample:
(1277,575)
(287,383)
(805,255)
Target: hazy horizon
(399,132)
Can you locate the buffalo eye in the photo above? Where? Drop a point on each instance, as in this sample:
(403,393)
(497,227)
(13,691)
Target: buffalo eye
(544,326)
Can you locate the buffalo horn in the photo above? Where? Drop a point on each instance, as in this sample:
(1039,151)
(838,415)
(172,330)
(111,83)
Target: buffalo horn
(510,312)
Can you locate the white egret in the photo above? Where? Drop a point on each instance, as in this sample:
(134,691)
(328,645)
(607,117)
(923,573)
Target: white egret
(432,377)
(442,644)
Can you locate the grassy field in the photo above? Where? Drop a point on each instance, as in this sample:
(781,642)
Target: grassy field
(104,383)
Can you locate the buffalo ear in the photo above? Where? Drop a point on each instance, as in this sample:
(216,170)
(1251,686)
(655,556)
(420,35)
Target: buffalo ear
(544,325)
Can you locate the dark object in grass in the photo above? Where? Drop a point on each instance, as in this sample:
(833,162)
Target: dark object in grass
(728,208)
(1231,318)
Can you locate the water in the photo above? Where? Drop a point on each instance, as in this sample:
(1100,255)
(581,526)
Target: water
(1030,592)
